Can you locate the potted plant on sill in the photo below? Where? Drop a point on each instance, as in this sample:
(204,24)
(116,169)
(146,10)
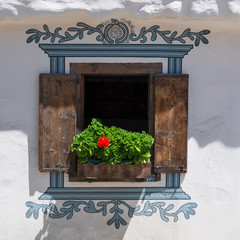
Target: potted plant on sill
(115,148)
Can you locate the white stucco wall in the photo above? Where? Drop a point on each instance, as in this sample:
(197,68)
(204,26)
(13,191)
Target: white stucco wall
(167,8)
(213,145)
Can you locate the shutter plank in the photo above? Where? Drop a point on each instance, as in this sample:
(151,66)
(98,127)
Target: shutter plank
(57,114)
(171,109)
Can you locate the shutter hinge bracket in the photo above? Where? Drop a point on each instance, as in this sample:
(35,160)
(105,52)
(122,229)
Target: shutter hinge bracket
(151,179)
(61,167)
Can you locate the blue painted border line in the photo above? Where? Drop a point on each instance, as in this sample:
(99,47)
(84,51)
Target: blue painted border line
(113,193)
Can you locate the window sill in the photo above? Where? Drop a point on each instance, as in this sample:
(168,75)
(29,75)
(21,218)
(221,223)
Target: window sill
(115,193)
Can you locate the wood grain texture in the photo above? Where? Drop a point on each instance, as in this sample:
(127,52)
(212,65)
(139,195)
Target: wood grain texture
(171,122)
(57,115)
(108,172)
(116,68)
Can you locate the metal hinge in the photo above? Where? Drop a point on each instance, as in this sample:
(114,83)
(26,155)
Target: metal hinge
(90,179)
(158,169)
(151,179)
(62,169)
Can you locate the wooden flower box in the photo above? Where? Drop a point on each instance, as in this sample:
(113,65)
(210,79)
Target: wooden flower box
(108,172)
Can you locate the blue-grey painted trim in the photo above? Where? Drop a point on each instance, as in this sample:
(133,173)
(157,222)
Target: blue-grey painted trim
(60,179)
(169,180)
(114,208)
(57,64)
(53,64)
(53,179)
(171,65)
(173,180)
(61,65)
(176,180)
(56,180)
(126,50)
(178,69)
(115,193)
(116,32)
(175,65)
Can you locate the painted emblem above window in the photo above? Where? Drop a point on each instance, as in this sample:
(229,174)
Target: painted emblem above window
(117,32)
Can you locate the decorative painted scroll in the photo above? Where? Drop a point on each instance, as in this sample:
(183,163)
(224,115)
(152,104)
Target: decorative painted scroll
(115,209)
(116,32)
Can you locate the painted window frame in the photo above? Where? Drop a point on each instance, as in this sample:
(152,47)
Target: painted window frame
(58,53)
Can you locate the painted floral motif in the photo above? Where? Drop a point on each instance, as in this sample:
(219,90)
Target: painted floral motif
(116,32)
(114,207)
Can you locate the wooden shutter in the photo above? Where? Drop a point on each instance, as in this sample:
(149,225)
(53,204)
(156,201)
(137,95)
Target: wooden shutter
(171,110)
(57,114)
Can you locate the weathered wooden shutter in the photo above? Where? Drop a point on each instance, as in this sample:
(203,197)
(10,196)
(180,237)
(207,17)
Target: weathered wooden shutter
(57,114)
(171,117)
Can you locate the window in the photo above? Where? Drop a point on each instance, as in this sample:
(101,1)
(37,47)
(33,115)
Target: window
(66,99)
(120,100)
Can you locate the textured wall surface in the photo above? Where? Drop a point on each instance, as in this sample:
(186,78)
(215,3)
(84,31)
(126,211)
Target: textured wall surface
(213,141)
(168,8)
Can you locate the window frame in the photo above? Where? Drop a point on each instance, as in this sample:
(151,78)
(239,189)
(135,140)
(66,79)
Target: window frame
(119,69)
(57,54)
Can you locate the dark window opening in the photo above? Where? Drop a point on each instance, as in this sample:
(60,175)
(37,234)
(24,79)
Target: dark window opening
(121,101)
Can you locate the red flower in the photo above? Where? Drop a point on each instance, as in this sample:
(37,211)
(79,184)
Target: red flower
(103,142)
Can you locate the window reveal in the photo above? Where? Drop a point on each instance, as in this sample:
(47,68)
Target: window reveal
(121,101)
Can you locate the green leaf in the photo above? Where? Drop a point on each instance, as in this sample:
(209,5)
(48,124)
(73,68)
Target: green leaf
(138,149)
(124,145)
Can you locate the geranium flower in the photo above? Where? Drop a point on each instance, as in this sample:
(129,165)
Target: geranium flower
(103,142)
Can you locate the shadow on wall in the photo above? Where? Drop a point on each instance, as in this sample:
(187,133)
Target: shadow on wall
(173,7)
(117,215)
(213,98)
(137,7)
(84,225)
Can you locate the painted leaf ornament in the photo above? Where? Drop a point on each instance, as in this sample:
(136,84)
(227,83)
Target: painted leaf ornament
(103,142)
(116,32)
